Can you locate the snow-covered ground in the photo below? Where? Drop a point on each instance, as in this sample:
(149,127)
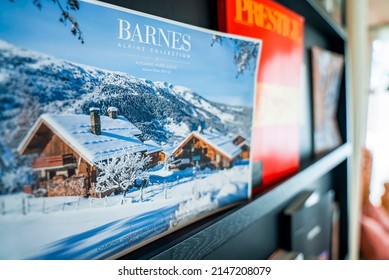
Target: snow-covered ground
(86,228)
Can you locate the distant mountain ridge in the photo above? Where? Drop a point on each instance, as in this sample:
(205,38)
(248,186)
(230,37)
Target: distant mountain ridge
(33,83)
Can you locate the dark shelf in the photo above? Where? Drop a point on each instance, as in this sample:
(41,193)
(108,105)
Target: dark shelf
(314,14)
(200,239)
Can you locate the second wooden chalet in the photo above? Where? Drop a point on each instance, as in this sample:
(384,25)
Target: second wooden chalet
(155,152)
(68,145)
(207,149)
(244,144)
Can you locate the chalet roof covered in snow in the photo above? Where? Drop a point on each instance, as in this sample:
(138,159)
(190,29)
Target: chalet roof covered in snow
(167,150)
(152,147)
(117,135)
(218,141)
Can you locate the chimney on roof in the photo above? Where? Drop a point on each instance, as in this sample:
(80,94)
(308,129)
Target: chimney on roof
(113,112)
(95,122)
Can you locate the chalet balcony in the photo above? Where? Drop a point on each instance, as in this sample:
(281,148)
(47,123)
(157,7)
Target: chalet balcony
(52,162)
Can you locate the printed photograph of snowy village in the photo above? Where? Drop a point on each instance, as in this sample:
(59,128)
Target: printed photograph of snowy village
(116,128)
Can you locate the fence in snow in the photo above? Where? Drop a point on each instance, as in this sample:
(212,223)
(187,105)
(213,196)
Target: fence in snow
(25,204)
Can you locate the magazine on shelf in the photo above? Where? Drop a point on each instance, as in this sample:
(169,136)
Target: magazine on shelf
(276,132)
(116,127)
(306,225)
(327,72)
(282,254)
(335,8)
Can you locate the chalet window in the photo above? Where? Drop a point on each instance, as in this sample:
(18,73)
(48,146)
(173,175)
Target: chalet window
(198,151)
(52,174)
(71,172)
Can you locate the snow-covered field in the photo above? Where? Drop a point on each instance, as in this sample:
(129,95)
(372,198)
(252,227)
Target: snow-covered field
(86,228)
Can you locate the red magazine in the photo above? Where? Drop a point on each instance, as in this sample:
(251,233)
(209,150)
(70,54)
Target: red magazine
(275,136)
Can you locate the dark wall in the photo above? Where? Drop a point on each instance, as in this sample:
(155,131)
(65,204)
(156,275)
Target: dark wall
(196,12)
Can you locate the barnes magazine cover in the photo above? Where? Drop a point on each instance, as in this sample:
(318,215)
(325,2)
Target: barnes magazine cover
(116,127)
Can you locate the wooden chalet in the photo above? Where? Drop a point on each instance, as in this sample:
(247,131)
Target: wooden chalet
(207,149)
(244,144)
(155,152)
(68,145)
(238,140)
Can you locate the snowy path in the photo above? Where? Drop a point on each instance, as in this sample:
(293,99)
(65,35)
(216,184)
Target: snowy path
(93,229)
(111,238)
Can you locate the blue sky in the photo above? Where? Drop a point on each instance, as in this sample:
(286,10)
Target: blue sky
(210,71)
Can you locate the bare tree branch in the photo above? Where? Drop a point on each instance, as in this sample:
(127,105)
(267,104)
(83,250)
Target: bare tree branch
(245,53)
(66,16)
